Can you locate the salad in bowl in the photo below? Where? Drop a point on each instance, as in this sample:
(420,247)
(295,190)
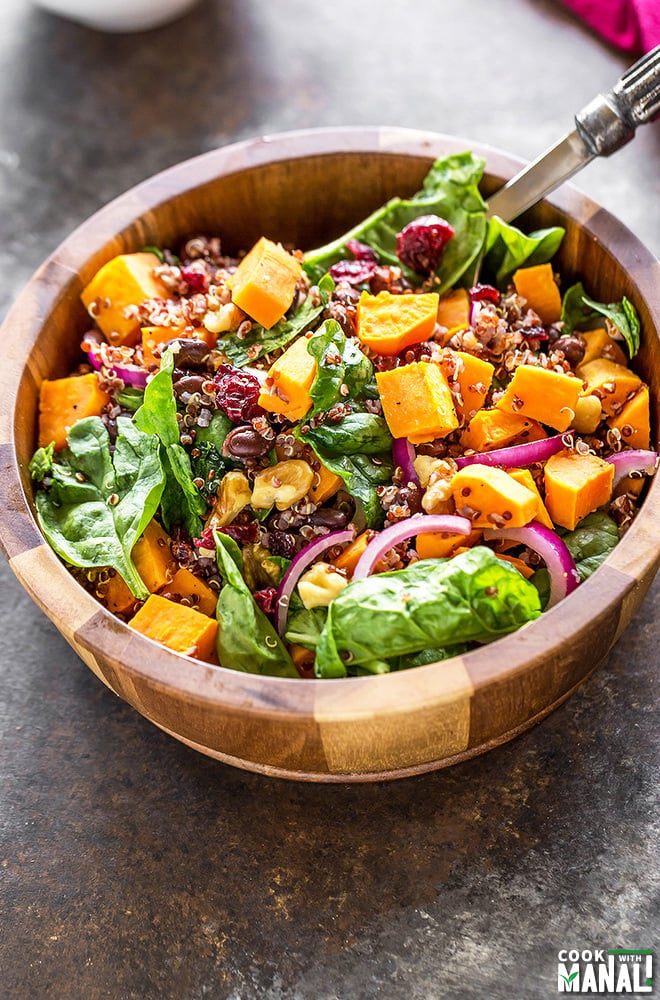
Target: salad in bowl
(350,460)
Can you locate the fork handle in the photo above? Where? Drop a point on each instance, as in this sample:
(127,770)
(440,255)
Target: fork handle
(609,121)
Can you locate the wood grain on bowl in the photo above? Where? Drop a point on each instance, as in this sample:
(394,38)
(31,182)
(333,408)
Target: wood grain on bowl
(304,188)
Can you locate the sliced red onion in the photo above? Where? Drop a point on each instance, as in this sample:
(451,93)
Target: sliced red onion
(129,374)
(520,454)
(419,524)
(403,453)
(297,567)
(564,577)
(625,462)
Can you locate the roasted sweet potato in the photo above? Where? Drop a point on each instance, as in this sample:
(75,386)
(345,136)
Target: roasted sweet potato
(64,401)
(491,498)
(289,380)
(489,429)
(389,323)
(417,402)
(538,286)
(542,394)
(575,485)
(473,376)
(126,280)
(177,626)
(264,282)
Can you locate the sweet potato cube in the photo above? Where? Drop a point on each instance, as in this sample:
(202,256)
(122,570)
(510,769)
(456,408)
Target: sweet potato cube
(634,420)
(489,429)
(491,498)
(186,584)
(116,595)
(454,311)
(64,401)
(417,402)
(153,558)
(350,557)
(389,323)
(326,484)
(575,485)
(265,281)
(473,376)
(441,544)
(544,395)
(613,384)
(289,380)
(599,344)
(538,287)
(126,280)
(525,477)
(177,626)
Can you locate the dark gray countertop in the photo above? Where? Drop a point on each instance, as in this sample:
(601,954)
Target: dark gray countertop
(133,868)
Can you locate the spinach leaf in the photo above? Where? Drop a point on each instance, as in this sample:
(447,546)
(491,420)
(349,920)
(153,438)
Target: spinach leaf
(362,476)
(356,433)
(207,457)
(181,501)
(246,639)
(579,311)
(473,597)
(450,190)
(41,462)
(130,398)
(260,341)
(305,625)
(427,656)
(97,506)
(507,249)
(589,543)
(340,361)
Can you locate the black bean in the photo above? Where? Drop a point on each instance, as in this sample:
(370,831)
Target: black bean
(573,348)
(189,384)
(328,517)
(190,353)
(245,442)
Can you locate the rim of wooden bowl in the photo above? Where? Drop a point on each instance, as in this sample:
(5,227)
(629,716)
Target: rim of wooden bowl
(126,661)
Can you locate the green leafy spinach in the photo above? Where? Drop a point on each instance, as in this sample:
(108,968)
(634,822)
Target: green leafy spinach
(578,311)
(451,191)
(507,248)
(97,505)
(181,502)
(246,639)
(473,597)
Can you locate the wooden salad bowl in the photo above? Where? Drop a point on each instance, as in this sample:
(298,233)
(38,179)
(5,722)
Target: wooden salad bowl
(304,188)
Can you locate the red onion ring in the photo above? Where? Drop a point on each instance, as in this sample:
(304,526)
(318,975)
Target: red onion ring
(564,577)
(297,567)
(404,455)
(419,524)
(129,374)
(625,462)
(520,454)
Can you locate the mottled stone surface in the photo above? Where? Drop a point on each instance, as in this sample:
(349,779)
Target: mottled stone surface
(133,868)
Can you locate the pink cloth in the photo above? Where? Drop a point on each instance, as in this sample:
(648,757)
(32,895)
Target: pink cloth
(632,25)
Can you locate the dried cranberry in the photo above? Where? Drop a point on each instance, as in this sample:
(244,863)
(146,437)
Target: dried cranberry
(421,244)
(354,272)
(196,280)
(238,394)
(266,599)
(205,541)
(281,543)
(243,534)
(485,293)
(361,251)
